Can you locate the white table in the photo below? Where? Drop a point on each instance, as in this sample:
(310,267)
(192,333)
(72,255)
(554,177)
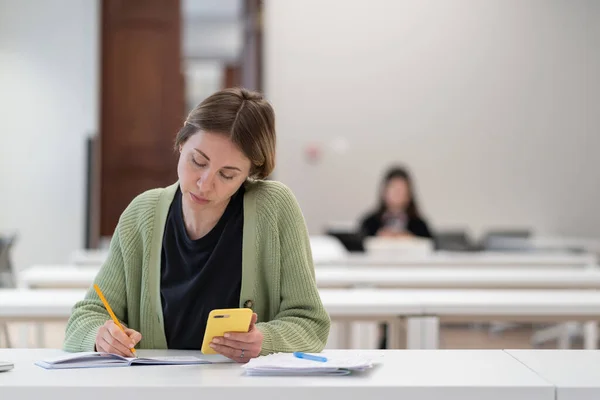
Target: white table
(423,308)
(575,373)
(96,257)
(38,305)
(470,259)
(482,277)
(42,305)
(465,306)
(83,257)
(57,277)
(69,276)
(539,305)
(435,277)
(410,375)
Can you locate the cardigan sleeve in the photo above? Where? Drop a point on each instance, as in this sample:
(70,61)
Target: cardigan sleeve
(302,324)
(89,314)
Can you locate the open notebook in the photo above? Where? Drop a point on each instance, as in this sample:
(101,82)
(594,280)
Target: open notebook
(287,364)
(104,360)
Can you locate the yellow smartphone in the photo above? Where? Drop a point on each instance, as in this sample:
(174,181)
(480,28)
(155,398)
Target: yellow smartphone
(225,320)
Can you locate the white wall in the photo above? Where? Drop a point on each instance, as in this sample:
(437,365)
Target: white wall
(212,30)
(212,40)
(202,78)
(494,104)
(48,102)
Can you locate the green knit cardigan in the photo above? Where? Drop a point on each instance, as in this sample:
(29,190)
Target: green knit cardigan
(278,280)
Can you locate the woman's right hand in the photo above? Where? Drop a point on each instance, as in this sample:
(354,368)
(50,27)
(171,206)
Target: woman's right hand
(111,339)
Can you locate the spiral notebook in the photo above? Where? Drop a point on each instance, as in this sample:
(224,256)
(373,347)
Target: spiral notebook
(287,364)
(106,360)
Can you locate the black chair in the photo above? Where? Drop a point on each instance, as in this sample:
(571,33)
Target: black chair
(506,240)
(7,274)
(454,240)
(352,241)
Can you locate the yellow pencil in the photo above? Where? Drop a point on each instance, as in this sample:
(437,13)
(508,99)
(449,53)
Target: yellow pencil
(110,311)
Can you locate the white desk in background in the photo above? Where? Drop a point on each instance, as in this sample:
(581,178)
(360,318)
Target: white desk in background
(38,305)
(411,375)
(422,309)
(439,258)
(574,373)
(68,276)
(464,306)
(451,278)
(44,305)
(93,257)
(542,243)
(470,259)
(57,277)
(54,277)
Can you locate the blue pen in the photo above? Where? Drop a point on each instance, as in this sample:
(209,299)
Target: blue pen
(299,354)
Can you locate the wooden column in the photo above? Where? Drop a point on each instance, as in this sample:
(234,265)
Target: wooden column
(142,101)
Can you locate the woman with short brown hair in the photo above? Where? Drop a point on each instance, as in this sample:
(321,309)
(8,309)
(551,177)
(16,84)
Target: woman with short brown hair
(221,237)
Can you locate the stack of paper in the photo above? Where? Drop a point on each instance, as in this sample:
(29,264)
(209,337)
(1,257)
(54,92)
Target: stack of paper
(287,364)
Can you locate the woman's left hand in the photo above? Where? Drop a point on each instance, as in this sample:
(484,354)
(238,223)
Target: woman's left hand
(240,347)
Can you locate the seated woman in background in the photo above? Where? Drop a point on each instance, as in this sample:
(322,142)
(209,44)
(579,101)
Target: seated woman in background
(219,237)
(398,214)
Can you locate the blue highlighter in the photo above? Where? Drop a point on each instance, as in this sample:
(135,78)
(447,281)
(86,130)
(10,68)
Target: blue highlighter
(299,354)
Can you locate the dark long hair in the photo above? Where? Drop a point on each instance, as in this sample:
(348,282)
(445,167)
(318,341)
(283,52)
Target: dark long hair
(412,209)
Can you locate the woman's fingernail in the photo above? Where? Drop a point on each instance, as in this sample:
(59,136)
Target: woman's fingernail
(212,345)
(216,340)
(227,335)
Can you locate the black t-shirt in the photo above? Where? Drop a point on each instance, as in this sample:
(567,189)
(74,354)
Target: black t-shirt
(375,221)
(200,275)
